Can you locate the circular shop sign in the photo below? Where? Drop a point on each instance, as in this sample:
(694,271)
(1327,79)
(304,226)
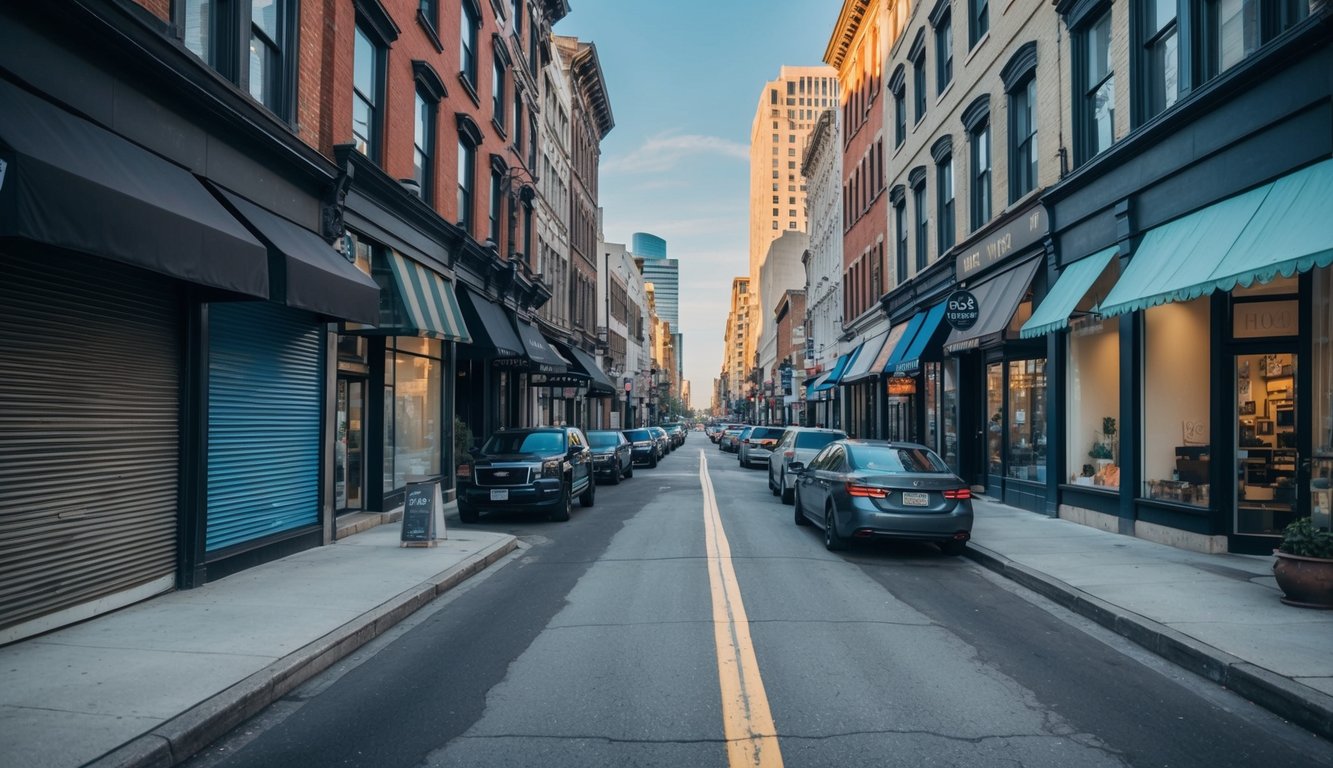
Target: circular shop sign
(962,310)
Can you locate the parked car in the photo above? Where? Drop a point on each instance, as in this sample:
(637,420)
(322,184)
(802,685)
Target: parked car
(877,489)
(797,444)
(612,455)
(541,468)
(643,446)
(663,442)
(730,438)
(677,434)
(755,447)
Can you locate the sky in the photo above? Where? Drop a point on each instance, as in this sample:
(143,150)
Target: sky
(684,78)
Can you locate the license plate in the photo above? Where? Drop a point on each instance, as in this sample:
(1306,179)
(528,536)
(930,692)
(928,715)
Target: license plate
(913,499)
(502,494)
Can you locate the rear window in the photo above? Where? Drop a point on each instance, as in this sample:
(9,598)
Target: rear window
(895,460)
(766,433)
(816,439)
(638,435)
(603,439)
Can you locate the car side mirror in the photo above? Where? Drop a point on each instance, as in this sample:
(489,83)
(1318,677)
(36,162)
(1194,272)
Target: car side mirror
(796,467)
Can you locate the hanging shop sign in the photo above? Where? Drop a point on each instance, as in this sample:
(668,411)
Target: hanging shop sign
(901,385)
(962,310)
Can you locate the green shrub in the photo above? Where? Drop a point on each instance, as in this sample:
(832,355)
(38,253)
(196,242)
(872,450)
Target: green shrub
(1302,539)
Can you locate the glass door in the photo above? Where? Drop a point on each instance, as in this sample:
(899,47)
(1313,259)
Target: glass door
(1267,497)
(349,480)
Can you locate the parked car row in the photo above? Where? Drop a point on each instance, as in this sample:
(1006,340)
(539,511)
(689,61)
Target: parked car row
(543,469)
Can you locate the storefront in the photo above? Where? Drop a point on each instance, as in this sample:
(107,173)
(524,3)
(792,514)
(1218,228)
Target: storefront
(1002,378)
(919,406)
(1220,319)
(860,383)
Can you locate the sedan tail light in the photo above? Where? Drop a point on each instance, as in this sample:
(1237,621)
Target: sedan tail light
(866,491)
(958,493)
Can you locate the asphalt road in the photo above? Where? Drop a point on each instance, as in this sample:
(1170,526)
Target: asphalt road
(615,640)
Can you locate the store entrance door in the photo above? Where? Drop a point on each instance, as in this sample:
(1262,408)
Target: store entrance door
(348,469)
(1267,494)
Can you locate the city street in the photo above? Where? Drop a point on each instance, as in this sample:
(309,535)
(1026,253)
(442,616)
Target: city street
(600,642)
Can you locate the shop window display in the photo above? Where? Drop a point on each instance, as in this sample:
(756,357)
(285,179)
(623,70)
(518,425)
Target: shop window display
(995,420)
(1321,401)
(1176,402)
(1093,435)
(412,410)
(1027,420)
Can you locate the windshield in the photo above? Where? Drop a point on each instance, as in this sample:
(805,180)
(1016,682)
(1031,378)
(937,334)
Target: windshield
(816,439)
(525,442)
(603,439)
(895,460)
(638,435)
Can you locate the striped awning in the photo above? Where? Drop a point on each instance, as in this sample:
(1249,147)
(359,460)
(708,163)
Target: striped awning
(427,305)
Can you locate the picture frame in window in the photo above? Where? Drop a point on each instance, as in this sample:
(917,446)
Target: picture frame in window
(1263,426)
(1247,408)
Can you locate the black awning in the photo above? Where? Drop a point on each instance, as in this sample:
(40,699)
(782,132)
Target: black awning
(70,183)
(541,354)
(305,272)
(998,297)
(492,330)
(599,383)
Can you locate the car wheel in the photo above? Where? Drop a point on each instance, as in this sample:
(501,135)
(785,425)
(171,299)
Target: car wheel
(800,513)
(773,489)
(953,547)
(589,495)
(467,513)
(786,493)
(833,541)
(561,513)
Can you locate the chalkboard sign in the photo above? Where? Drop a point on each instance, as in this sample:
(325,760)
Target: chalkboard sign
(421,505)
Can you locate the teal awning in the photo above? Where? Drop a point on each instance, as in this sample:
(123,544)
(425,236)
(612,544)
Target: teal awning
(1054,311)
(910,362)
(1280,228)
(904,342)
(835,375)
(427,303)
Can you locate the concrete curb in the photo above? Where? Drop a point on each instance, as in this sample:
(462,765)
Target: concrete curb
(181,737)
(1300,704)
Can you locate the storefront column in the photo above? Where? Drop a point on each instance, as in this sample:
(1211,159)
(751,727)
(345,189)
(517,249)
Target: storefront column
(1057,432)
(1131,419)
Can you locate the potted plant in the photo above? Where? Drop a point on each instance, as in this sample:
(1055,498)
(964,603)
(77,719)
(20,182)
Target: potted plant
(1304,565)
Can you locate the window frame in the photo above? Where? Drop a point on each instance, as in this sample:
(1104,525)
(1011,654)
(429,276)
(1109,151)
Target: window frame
(917,56)
(1082,39)
(941,20)
(946,234)
(467,181)
(469,44)
(375,101)
(921,225)
(224,47)
(978,21)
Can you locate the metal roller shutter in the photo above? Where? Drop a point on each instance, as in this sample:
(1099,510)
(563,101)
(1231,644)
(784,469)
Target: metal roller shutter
(89,442)
(265,392)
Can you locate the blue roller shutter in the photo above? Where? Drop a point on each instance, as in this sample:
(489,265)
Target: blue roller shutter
(265,391)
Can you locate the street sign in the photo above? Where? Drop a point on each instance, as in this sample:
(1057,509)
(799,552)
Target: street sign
(962,310)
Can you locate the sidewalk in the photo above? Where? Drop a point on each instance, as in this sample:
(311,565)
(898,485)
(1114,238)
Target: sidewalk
(153,683)
(1215,615)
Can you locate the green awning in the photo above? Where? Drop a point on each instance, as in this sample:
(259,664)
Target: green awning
(1280,228)
(1054,311)
(426,302)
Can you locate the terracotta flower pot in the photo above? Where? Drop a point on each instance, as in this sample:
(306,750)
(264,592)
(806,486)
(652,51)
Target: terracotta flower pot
(1306,581)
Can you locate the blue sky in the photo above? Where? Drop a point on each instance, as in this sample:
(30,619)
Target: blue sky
(684,78)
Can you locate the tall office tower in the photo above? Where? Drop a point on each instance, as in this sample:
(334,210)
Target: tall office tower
(787,110)
(650,251)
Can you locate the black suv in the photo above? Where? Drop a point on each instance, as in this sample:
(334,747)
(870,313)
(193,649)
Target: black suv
(541,468)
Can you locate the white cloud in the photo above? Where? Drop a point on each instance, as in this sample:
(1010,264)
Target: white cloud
(665,151)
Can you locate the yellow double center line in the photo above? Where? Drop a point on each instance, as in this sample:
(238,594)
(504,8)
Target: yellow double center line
(752,739)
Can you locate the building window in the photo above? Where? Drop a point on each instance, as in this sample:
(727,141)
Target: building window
(1160,57)
(264,68)
(1234,29)
(943,24)
(978,21)
(944,208)
(497,199)
(919,85)
(981,176)
(1022,139)
(423,144)
(413,409)
(922,222)
(367,93)
(899,88)
(1027,420)
(467,44)
(900,258)
(1093,384)
(498,95)
(1176,392)
(467,166)
(1094,112)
